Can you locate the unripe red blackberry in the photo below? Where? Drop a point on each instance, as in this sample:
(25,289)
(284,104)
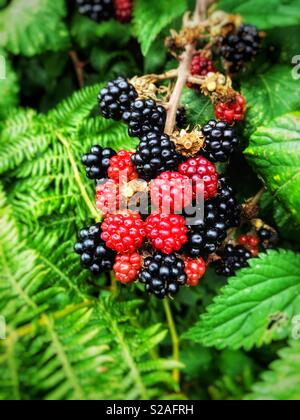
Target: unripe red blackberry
(145,116)
(94,254)
(195,270)
(121,168)
(240,47)
(123,9)
(171,192)
(233,258)
(116,98)
(204,175)
(97,10)
(201,66)
(163,275)
(155,154)
(251,243)
(97,162)
(166,232)
(220,141)
(127,267)
(123,232)
(231,111)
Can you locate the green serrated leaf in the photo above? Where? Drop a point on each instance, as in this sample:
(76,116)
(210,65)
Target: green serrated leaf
(150,18)
(199,108)
(282,382)
(274,151)
(256,306)
(29,27)
(270,95)
(265,14)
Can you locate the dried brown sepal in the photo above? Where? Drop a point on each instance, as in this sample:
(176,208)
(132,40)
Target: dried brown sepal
(145,86)
(219,88)
(188,144)
(221,24)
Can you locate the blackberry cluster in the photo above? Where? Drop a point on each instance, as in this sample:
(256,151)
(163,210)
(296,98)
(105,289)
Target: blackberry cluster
(240,47)
(145,116)
(94,254)
(220,141)
(116,98)
(97,162)
(155,154)
(220,213)
(233,258)
(97,10)
(163,275)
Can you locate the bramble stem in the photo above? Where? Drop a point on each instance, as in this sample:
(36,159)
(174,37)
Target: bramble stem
(174,337)
(184,68)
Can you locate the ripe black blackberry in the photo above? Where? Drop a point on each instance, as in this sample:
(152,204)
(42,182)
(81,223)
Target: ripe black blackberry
(181,118)
(240,47)
(155,154)
(116,98)
(97,162)
(220,141)
(233,258)
(97,10)
(163,275)
(229,209)
(94,255)
(145,116)
(206,234)
(220,213)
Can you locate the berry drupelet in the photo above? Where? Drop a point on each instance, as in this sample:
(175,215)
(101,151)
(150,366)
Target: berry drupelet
(123,9)
(220,141)
(97,10)
(240,47)
(233,258)
(94,254)
(155,154)
(163,275)
(107,196)
(97,162)
(116,98)
(145,116)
